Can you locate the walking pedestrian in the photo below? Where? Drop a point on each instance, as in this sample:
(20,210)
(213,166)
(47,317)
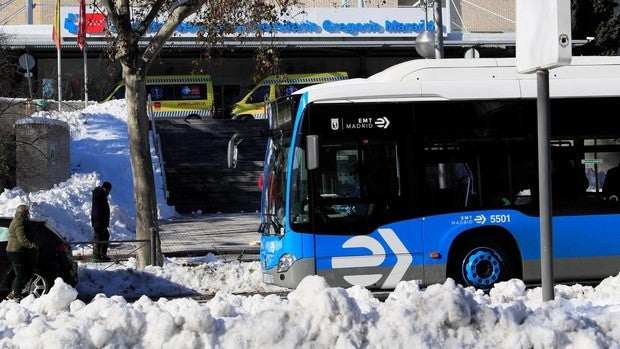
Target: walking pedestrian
(100,220)
(21,251)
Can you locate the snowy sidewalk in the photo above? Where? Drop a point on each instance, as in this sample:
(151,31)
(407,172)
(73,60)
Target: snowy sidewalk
(193,235)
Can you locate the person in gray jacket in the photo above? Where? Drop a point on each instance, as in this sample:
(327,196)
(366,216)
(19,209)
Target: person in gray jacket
(21,251)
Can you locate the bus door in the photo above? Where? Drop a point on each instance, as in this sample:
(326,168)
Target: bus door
(360,231)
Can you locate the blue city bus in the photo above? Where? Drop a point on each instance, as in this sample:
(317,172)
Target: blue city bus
(428,171)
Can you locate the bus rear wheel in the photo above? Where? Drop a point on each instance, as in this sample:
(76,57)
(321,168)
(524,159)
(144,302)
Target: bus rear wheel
(482,265)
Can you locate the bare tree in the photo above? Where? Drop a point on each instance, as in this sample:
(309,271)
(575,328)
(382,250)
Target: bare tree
(135,48)
(8,105)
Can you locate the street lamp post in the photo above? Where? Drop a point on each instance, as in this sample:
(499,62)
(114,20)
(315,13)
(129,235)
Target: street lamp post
(429,44)
(438,29)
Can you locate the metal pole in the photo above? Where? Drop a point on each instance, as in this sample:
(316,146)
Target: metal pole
(85,56)
(29,7)
(425,14)
(58,62)
(152,246)
(438,29)
(545,185)
(29,75)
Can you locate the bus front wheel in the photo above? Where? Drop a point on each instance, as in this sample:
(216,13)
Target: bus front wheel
(482,265)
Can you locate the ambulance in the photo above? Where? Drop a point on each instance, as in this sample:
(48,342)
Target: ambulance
(252,105)
(176,96)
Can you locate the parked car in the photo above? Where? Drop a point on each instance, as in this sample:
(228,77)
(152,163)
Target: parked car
(55,259)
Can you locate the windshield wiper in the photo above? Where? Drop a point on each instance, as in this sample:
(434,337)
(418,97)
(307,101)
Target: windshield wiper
(273,223)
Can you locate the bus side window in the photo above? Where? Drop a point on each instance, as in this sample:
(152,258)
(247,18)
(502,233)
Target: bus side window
(449,186)
(465,184)
(380,176)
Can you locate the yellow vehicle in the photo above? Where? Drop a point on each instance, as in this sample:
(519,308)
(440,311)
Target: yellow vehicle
(252,106)
(176,96)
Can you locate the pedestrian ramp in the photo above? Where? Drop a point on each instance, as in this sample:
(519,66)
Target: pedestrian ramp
(217,233)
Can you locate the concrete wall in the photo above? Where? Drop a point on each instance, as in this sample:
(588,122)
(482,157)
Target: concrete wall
(42,153)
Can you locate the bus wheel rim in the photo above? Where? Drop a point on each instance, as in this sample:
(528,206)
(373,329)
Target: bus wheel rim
(482,268)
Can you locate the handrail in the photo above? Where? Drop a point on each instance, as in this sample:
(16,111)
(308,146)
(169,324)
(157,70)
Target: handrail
(157,144)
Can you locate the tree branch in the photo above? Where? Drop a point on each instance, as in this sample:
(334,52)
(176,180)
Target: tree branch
(180,11)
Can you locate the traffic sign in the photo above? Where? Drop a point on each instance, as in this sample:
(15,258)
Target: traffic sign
(26,61)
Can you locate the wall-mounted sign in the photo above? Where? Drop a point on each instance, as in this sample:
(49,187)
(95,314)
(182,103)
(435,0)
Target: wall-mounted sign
(312,22)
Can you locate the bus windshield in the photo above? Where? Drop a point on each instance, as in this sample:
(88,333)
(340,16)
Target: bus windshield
(276,161)
(274,182)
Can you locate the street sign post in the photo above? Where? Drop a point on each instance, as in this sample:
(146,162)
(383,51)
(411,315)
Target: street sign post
(26,61)
(543,42)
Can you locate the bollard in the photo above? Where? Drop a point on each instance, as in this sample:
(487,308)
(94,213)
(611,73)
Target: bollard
(153,234)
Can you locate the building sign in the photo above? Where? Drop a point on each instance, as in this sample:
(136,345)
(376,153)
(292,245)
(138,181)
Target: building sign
(95,23)
(312,22)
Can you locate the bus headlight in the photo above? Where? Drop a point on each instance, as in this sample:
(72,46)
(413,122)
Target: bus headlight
(285,262)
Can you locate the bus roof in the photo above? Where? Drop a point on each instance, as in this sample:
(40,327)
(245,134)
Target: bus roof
(481,78)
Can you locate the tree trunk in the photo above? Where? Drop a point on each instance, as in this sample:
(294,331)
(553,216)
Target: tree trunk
(142,168)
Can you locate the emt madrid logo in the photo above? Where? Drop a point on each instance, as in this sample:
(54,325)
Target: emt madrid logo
(360,123)
(404,259)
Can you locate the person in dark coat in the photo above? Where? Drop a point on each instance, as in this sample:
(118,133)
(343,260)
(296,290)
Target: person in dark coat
(21,251)
(100,220)
(611,186)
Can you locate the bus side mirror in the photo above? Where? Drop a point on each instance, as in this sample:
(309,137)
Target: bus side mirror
(312,152)
(231,155)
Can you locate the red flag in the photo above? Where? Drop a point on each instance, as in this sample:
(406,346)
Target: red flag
(81,36)
(95,23)
(56,27)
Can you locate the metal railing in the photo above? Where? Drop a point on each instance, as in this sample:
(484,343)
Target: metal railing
(138,244)
(157,144)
